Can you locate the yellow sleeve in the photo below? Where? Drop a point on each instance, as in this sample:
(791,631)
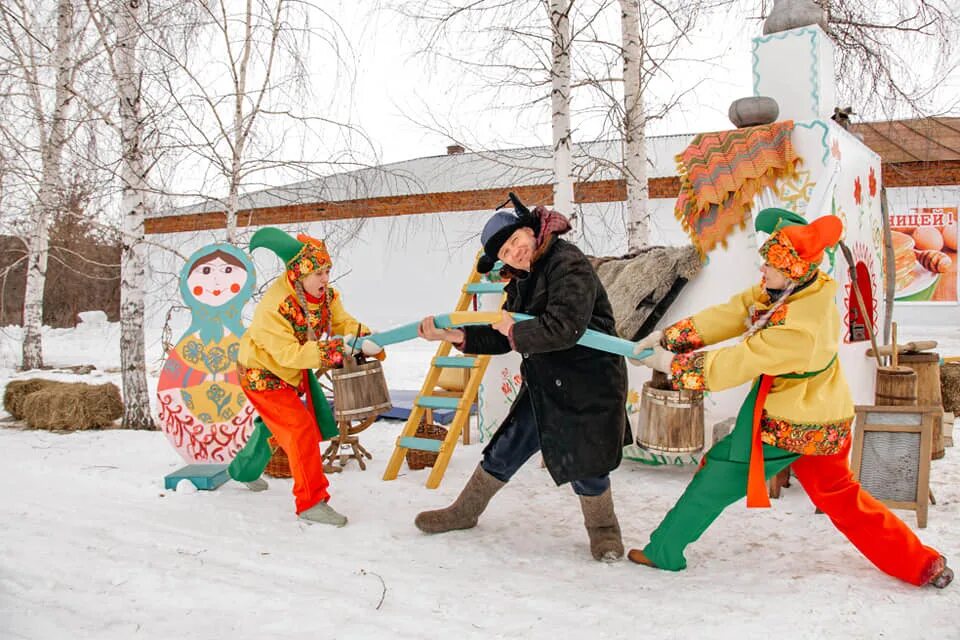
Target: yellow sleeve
(712,325)
(341,322)
(771,351)
(272,333)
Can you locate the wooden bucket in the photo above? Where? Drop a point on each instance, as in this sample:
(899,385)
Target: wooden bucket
(896,386)
(670,421)
(927,366)
(359,391)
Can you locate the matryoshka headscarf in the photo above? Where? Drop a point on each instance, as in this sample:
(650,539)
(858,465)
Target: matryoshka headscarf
(209,320)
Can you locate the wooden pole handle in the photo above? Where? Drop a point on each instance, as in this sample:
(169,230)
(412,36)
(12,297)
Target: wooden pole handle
(893,345)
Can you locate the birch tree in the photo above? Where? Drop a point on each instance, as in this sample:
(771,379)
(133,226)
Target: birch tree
(119,32)
(44,62)
(127,74)
(634,130)
(560,106)
(638,79)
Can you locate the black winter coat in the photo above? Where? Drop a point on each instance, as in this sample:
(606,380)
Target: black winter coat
(578,394)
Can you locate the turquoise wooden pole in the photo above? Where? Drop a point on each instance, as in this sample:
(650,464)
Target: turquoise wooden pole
(592,339)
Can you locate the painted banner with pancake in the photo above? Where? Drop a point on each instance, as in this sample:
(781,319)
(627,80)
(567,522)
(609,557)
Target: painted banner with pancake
(925,254)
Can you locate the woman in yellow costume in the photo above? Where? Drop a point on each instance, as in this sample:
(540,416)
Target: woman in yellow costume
(798,413)
(298,326)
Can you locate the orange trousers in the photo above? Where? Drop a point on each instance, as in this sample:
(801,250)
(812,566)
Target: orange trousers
(296,430)
(879,535)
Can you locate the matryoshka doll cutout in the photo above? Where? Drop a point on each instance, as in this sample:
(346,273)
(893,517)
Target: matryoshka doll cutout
(203,410)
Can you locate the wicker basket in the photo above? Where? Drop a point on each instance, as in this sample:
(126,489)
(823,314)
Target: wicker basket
(416,459)
(279,464)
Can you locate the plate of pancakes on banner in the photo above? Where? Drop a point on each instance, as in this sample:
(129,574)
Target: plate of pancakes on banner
(916,265)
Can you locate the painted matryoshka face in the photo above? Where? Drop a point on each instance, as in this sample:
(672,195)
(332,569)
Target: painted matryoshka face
(216,282)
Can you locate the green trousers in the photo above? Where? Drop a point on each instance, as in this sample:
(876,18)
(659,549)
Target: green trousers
(720,483)
(249,463)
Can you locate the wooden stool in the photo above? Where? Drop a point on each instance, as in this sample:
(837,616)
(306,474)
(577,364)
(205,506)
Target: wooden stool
(346,446)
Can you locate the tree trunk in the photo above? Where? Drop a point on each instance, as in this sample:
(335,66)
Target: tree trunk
(560,102)
(634,135)
(233,203)
(239,131)
(37,247)
(52,143)
(136,398)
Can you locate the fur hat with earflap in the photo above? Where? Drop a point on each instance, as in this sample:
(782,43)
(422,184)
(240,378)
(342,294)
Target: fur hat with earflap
(500,227)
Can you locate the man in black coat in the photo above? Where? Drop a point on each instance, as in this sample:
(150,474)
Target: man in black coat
(572,404)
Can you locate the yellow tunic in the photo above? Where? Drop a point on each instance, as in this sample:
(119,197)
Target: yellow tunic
(810,416)
(276,341)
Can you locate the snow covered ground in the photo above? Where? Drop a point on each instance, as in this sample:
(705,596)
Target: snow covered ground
(92,546)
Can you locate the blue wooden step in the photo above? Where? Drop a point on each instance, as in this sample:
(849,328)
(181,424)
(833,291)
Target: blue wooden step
(485,287)
(420,444)
(203,476)
(437,402)
(454,362)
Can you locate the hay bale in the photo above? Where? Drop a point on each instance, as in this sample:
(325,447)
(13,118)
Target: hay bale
(73,407)
(950,386)
(18,390)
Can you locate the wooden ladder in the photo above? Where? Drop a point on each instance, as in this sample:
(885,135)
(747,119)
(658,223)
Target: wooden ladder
(430,398)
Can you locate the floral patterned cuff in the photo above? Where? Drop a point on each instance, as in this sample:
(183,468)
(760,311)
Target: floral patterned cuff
(682,337)
(331,353)
(686,371)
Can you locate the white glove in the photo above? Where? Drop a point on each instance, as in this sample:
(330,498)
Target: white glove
(649,342)
(352,345)
(660,360)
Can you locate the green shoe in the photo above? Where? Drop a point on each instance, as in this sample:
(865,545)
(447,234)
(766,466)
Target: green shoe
(322,513)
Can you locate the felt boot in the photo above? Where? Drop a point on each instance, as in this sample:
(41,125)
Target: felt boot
(602,527)
(466,509)
(322,513)
(257,485)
